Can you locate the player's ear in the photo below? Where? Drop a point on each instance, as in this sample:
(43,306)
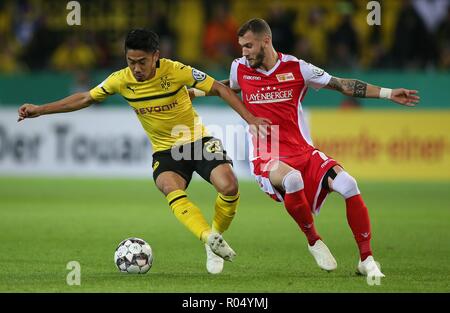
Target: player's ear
(267,39)
(155,57)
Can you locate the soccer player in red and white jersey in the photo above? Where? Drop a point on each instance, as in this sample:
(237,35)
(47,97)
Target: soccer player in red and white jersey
(290,169)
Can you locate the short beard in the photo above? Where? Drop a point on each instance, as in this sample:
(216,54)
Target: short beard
(259,59)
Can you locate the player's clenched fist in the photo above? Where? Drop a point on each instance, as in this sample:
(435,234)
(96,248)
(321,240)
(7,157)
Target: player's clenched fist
(28,111)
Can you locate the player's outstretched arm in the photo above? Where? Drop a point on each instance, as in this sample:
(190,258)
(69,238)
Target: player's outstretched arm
(227,94)
(360,89)
(71,103)
(194,92)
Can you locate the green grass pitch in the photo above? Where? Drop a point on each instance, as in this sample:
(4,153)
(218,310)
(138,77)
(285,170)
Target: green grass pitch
(45,223)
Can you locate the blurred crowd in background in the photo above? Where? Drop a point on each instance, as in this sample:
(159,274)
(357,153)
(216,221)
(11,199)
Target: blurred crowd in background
(414,34)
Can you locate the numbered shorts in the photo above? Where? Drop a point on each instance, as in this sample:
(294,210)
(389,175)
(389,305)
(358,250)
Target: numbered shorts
(200,156)
(313,166)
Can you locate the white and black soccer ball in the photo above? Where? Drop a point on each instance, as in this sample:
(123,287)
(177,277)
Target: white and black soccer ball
(134,256)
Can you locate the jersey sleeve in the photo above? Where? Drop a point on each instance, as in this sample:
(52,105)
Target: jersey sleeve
(106,88)
(314,76)
(192,77)
(234,84)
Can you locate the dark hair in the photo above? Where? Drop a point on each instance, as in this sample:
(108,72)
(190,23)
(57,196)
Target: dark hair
(142,39)
(256,26)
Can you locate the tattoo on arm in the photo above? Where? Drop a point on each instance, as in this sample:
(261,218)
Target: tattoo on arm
(360,89)
(335,84)
(353,87)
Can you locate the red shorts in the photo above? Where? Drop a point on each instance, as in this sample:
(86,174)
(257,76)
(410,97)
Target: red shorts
(313,166)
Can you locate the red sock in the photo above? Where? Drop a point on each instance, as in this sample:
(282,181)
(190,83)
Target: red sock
(298,207)
(358,219)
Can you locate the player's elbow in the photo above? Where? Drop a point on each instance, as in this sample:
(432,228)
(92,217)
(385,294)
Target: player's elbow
(220,89)
(85,99)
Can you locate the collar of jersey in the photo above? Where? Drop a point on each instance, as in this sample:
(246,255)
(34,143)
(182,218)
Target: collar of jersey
(273,69)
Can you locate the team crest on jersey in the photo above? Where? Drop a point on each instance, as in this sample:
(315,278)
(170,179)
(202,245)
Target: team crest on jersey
(131,88)
(285,77)
(199,76)
(165,84)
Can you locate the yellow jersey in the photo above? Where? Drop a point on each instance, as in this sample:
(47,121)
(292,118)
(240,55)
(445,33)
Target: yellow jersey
(162,103)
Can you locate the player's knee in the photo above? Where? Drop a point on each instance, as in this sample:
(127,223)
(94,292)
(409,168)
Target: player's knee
(168,186)
(228,185)
(345,185)
(293,181)
(169,181)
(224,180)
(230,189)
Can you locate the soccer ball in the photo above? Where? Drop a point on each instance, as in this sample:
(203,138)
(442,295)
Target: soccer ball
(134,256)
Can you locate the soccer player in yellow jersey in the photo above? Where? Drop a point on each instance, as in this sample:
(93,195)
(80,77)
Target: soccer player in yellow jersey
(156,90)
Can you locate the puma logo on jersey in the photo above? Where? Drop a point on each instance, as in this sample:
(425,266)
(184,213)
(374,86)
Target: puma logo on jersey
(132,89)
(285,77)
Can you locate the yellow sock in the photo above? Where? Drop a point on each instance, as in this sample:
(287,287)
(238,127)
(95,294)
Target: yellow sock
(188,214)
(225,210)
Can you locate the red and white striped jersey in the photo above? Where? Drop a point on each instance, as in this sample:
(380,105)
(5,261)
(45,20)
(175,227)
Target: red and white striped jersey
(277,94)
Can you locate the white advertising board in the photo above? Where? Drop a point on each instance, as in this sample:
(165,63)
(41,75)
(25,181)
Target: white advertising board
(99,142)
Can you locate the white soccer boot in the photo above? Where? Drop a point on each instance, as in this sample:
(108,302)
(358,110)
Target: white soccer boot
(369,268)
(214,263)
(323,256)
(220,247)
